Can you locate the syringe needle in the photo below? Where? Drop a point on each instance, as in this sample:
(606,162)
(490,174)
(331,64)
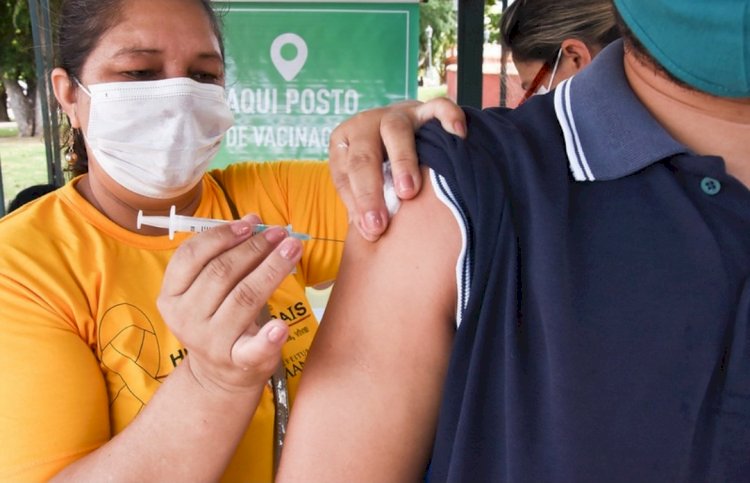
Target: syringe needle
(325,239)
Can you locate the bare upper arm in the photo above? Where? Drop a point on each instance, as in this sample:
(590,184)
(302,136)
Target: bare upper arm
(368,401)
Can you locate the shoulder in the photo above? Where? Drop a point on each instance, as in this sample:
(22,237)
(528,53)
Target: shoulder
(506,152)
(33,237)
(281,174)
(406,279)
(269,169)
(34,219)
(495,136)
(418,251)
(47,227)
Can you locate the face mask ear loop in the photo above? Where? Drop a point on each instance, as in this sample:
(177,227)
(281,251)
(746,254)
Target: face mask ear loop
(83,88)
(554,70)
(534,86)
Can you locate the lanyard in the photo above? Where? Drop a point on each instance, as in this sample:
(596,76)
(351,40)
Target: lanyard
(278,379)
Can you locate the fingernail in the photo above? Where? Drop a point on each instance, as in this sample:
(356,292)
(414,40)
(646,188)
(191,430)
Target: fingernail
(405,184)
(275,234)
(373,222)
(364,233)
(290,248)
(276,334)
(240,228)
(460,128)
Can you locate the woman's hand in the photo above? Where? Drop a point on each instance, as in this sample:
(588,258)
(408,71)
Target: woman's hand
(356,152)
(215,287)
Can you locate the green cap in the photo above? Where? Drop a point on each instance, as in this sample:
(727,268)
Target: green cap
(704,43)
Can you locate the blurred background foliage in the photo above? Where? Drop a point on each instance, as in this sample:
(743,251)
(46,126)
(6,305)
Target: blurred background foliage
(441,15)
(17,66)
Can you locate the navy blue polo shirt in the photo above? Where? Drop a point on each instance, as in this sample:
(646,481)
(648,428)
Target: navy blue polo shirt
(604,304)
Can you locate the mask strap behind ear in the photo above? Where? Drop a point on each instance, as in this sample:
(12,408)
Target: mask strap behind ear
(80,84)
(554,69)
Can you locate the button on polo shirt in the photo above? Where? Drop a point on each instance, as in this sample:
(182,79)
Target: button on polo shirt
(710,186)
(604,295)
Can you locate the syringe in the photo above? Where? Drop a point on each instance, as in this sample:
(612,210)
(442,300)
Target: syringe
(175,223)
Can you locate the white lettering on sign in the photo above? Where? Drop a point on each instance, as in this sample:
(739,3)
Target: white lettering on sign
(240,137)
(322,102)
(253,101)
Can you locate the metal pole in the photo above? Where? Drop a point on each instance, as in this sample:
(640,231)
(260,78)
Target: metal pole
(504,70)
(55,165)
(428,33)
(44,59)
(470,37)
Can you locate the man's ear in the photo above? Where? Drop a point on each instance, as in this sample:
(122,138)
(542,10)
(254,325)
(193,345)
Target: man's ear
(65,93)
(577,52)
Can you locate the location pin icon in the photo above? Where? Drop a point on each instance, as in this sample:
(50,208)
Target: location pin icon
(288,68)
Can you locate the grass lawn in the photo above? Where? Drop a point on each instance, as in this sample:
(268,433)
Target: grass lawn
(22,160)
(8,130)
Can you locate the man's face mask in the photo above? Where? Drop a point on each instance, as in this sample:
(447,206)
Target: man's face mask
(703,43)
(535,88)
(156,138)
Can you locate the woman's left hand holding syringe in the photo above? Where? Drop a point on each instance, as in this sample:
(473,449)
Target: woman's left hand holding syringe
(215,287)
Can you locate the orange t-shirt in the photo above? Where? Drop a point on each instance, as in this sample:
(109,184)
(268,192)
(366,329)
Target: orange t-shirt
(83,347)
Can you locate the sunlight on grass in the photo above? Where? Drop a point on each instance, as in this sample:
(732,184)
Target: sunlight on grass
(8,130)
(23,163)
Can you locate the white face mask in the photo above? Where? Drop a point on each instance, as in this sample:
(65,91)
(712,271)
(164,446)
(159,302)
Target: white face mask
(156,138)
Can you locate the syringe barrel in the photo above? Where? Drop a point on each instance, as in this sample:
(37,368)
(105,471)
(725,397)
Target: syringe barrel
(191,224)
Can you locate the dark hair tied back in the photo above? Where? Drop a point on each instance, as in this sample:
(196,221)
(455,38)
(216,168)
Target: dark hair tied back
(535,29)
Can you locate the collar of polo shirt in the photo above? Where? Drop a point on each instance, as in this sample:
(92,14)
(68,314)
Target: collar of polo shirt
(608,132)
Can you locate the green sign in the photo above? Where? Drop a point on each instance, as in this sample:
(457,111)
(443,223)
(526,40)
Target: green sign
(295,70)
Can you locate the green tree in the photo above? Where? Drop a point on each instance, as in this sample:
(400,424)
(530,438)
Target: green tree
(493,12)
(17,63)
(441,17)
(3,104)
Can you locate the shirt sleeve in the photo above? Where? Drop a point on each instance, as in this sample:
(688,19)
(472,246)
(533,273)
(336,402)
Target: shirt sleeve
(53,402)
